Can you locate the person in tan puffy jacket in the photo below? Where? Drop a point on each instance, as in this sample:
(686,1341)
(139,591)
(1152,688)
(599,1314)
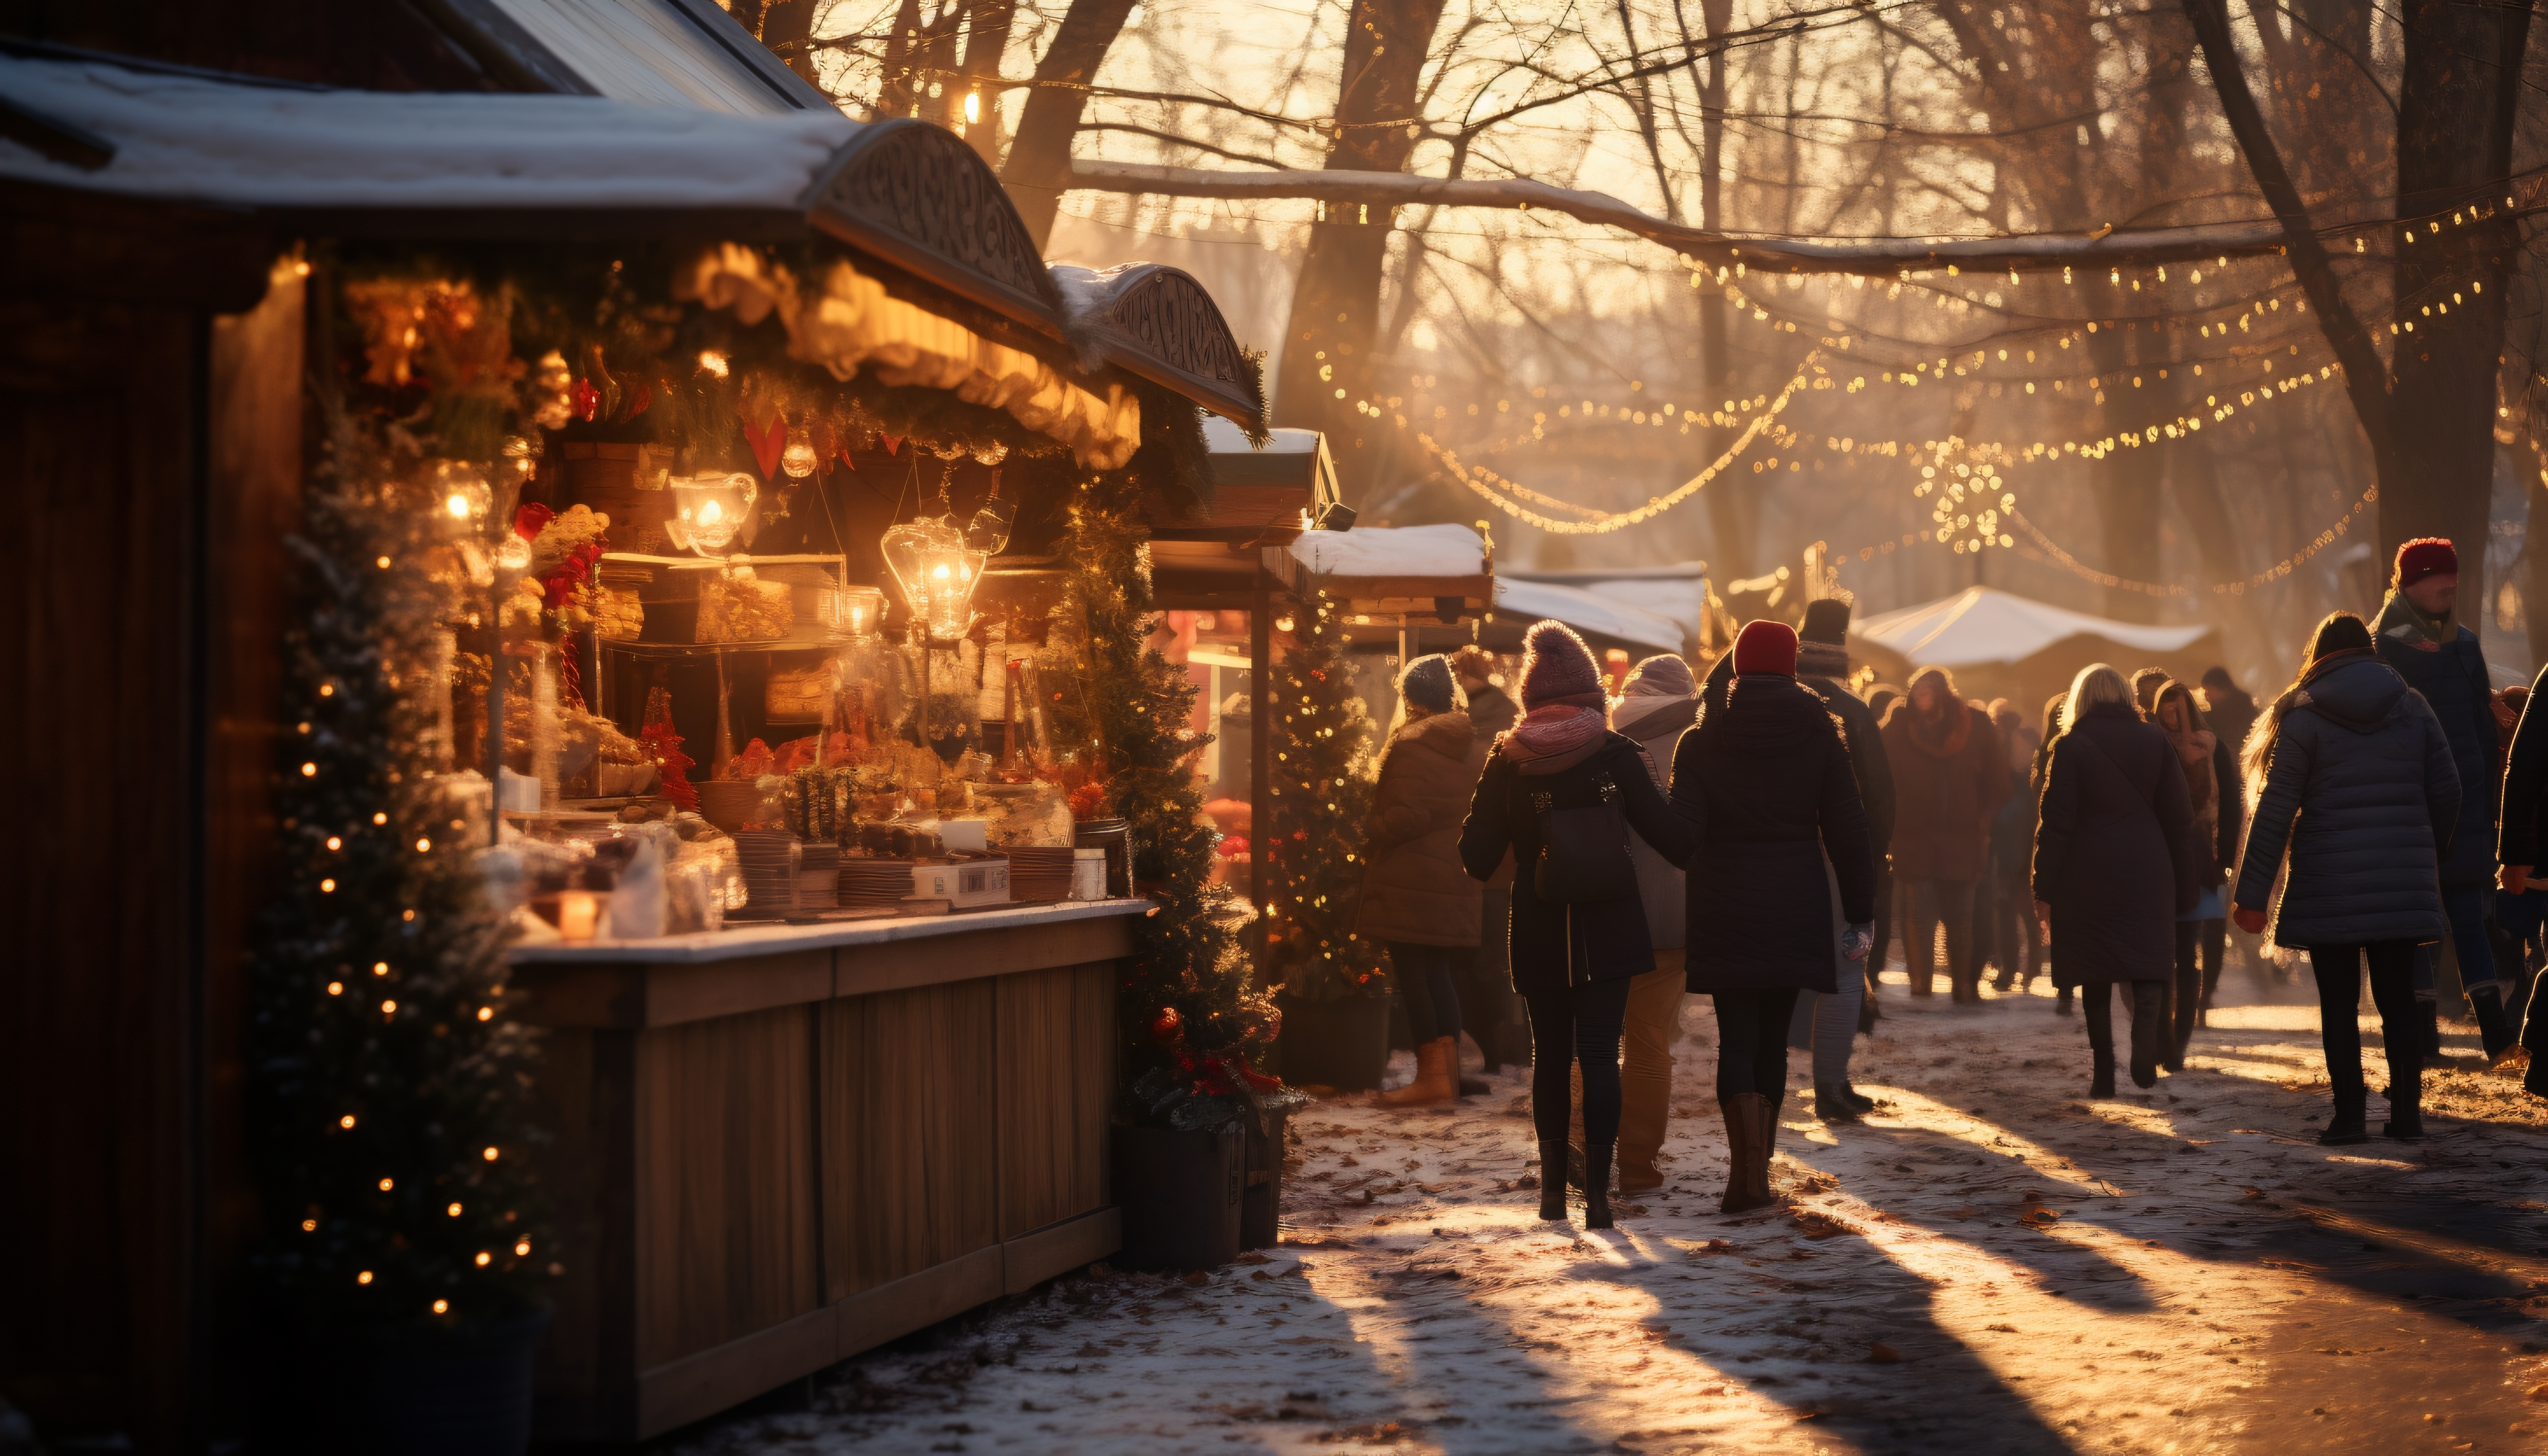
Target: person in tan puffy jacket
(1416,897)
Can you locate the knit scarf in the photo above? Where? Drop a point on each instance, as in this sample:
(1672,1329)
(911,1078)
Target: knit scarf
(1553,729)
(2402,619)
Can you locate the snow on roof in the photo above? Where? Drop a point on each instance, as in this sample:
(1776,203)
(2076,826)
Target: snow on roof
(1983,624)
(226,143)
(1444,551)
(1587,611)
(1678,592)
(657,52)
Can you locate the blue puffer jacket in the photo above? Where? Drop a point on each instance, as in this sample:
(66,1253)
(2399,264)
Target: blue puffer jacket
(2362,764)
(2452,677)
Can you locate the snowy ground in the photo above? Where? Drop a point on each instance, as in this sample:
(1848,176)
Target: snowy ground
(1993,1263)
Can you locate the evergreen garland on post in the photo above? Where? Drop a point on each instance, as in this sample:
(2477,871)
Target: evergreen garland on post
(1322,786)
(389,1082)
(1191,1028)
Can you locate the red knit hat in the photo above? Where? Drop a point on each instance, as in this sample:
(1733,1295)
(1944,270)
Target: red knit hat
(1765,647)
(2427,556)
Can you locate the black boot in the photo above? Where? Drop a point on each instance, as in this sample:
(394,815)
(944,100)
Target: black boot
(1854,1098)
(1832,1106)
(2061,1001)
(1597,1187)
(2101,1077)
(2493,1029)
(2149,1032)
(1474,1087)
(2406,1104)
(2433,1011)
(1551,1179)
(2348,1127)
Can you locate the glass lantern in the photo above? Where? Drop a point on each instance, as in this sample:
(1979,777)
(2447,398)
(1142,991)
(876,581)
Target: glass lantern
(853,613)
(712,513)
(937,572)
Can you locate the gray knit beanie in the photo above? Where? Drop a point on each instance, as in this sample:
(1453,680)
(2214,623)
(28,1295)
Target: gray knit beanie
(1426,683)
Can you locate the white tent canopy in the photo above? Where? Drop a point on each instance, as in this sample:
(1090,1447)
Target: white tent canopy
(1586,612)
(1676,593)
(1982,624)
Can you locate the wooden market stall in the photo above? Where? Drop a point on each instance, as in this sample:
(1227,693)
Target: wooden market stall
(773,1143)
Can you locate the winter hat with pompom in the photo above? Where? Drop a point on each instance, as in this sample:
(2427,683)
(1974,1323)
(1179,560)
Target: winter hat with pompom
(1426,683)
(1558,670)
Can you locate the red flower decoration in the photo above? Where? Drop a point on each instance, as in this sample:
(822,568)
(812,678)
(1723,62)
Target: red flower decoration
(584,399)
(531,518)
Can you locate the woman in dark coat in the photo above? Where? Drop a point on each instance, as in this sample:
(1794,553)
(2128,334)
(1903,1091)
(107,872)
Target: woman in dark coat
(2359,788)
(1572,962)
(1418,899)
(2113,866)
(1765,776)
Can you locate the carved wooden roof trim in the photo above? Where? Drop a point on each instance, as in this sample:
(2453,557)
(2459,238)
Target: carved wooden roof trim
(917,196)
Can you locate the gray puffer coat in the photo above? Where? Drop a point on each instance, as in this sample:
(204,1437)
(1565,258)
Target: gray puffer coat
(2360,790)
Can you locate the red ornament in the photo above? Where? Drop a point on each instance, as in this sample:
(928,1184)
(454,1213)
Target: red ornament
(530,518)
(1167,1028)
(584,399)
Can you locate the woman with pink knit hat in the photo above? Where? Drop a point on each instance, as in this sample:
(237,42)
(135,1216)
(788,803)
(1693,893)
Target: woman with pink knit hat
(1559,796)
(1765,779)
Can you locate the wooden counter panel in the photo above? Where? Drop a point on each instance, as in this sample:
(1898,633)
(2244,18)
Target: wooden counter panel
(724,1181)
(908,1115)
(641,995)
(896,965)
(1056,1079)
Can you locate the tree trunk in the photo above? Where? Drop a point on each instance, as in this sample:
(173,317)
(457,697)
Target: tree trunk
(1039,169)
(2457,97)
(985,43)
(785,25)
(1335,305)
(1733,513)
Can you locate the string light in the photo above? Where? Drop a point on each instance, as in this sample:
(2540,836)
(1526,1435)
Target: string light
(346,1120)
(441,1307)
(363,1278)
(387,1184)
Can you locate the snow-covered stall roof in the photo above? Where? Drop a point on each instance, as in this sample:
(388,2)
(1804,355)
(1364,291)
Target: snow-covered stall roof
(1375,552)
(239,144)
(686,54)
(1590,614)
(1295,458)
(1982,624)
(1677,592)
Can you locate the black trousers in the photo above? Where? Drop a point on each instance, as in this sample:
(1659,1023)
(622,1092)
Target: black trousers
(1579,1024)
(2147,1006)
(1751,1042)
(1428,987)
(2199,944)
(2338,969)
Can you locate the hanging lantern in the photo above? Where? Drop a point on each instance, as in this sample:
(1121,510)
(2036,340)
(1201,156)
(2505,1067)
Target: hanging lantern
(937,572)
(852,612)
(710,511)
(798,459)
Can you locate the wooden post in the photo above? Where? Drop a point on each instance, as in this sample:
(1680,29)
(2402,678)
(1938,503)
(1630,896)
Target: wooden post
(1260,748)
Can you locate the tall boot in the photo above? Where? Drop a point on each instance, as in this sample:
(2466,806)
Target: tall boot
(2149,1032)
(1765,1145)
(2101,1079)
(1597,1187)
(2406,1104)
(1742,1133)
(1436,1076)
(1552,1178)
(2348,1127)
(2431,1011)
(2487,1000)
(1645,1112)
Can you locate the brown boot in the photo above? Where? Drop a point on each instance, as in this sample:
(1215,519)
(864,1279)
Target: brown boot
(1745,1152)
(1645,1110)
(1437,1076)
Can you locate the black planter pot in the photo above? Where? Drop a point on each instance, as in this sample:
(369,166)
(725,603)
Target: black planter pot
(413,1392)
(1341,1043)
(1260,1208)
(1181,1194)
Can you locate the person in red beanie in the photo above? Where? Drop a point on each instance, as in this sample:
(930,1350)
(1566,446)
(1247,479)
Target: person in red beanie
(1764,778)
(2420,637)
(1558,798)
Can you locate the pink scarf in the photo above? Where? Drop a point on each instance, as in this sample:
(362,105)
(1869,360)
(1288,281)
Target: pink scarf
(1558,728)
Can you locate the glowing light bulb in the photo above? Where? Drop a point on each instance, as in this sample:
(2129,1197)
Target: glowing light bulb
(346,1120)
(458,506)
(711,513)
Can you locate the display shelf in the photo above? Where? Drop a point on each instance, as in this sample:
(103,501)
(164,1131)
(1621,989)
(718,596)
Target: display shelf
(726,649)
(743,942)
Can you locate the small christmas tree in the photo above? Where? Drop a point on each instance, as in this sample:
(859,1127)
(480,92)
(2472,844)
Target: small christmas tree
(1191,1029)
(388,1080)
(1322,783)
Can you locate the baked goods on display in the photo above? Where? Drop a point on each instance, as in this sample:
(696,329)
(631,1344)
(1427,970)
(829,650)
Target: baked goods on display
(617,614)
(736,605)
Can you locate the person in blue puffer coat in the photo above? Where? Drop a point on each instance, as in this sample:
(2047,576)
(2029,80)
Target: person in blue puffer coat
(2352,777)
(2420,638)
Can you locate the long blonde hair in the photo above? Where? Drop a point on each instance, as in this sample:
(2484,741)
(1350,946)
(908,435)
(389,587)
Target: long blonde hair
(2097,683)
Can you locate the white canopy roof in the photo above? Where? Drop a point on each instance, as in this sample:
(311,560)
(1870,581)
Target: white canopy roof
(225,143)
(1982,624)
(1586,612)
(1387,551)
(661,52)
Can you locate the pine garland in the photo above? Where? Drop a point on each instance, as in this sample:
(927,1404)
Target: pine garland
(1191,1029)
(1324,779)
(389,1123)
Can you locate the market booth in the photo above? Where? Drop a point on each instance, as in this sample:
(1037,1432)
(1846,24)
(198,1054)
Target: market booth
(777,516)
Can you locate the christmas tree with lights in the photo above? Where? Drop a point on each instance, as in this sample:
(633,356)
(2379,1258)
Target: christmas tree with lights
(388,1080)
(1322,786)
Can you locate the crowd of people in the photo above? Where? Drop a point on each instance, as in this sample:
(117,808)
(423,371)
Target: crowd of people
(1760,837)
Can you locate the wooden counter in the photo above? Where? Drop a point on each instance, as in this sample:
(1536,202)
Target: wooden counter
(779,1146)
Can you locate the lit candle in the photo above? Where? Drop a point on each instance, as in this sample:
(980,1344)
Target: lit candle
(576,910)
